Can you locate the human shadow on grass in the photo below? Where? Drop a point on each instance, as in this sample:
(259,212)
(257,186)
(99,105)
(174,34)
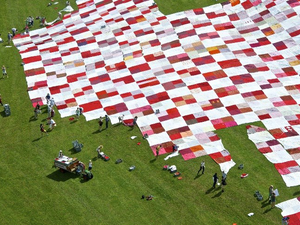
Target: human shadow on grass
(217,195)
(197,176)
(209,190)
(37,139)
(33,119)
(153,160)
(265,203)
(3,114)
(72,151)
(95,159)
(59,176)
(73,121)
(296,193)
(267,210)
(97,131)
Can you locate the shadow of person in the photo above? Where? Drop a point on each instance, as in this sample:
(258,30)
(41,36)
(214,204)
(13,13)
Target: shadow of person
(209,190)
(37,139)
(267,210)
(296,193)
(32,119)
(153,160)
(97,131)
(95,158)
(265,203)
(217,195)
(197,176)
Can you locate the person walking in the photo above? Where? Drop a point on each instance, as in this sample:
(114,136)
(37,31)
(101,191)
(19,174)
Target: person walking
(202,167)
(4,73)
(90,165)
(158,147)
(100,122)
(106,121)
(99,149)
(273,200)
(215,178)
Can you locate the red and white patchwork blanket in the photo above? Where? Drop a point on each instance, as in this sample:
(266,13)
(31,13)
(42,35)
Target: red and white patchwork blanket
(202,69)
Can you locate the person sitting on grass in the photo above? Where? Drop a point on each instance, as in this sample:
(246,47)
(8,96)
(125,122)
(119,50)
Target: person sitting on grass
(87,175)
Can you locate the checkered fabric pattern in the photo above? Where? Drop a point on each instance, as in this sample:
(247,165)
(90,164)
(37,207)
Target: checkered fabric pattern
(291,209)
(281,147)
(203,69)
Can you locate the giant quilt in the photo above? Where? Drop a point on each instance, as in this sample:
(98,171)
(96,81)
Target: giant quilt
(184,75)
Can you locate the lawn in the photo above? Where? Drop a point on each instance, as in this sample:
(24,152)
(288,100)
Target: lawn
(33,192)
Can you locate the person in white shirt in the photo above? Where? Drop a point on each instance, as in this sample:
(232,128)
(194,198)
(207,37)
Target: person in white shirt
(60,154)
(51,123)
(202,167)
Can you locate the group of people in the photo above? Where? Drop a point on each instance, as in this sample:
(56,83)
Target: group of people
(100,122)
(216,179)
(51,113)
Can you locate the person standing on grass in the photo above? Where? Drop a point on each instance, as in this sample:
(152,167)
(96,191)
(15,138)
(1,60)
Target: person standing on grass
(106,121)
(1,100)
(202,167)
(273,200)
(224,175)
(158,147)
(60,154)
(215,178)
(42,129)
(37,110)
(224,183)
(52,113)
(100,122)
(4,73)
(271,190)
(90,165)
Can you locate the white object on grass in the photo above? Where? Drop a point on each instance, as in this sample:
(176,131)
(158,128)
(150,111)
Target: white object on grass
(250,214)
(133,137)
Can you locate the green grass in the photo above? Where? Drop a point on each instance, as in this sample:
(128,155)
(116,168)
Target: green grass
(33,192)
